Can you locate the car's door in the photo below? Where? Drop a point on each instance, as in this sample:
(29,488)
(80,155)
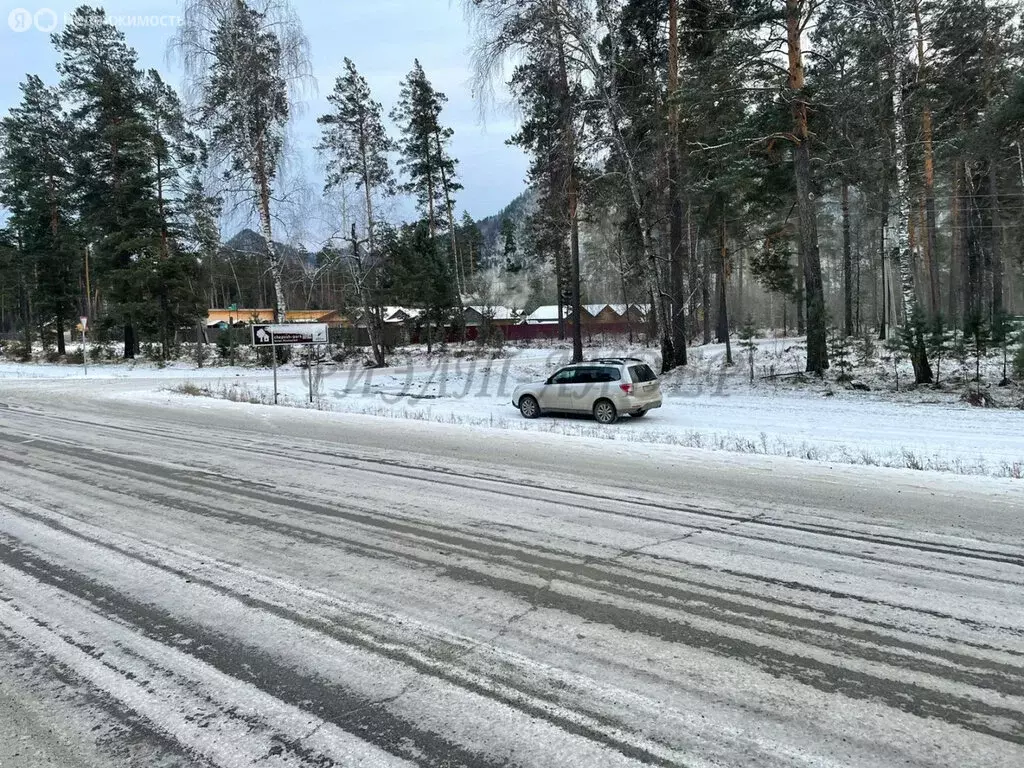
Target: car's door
(580,393)
(556,394)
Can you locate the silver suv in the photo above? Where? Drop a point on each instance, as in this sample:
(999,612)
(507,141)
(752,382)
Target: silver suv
(606,388)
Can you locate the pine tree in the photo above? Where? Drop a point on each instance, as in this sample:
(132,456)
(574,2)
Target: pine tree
(421,276)
(185,213)
(36,185)
(356,146)
(426,159)
(509,248)
(796,19)
(839,352)
(471,244)
(119,213)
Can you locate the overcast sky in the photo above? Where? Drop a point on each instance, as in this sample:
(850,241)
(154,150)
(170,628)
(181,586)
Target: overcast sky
(381,36)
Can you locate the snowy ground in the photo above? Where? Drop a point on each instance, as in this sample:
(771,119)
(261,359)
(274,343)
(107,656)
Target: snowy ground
(707,405)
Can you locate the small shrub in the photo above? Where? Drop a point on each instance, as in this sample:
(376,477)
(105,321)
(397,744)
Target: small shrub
(202,354)
(1018,358)
(840,351)
(747,343)
(977,398)
(867,350)
(191,389)
(53,356)
(76,357)
(224,346)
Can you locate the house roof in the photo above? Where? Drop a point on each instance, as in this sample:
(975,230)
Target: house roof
(545,314)
(495,313)
(400,314)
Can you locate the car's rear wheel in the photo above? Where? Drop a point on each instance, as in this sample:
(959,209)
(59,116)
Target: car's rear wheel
(638,414)
(529,407)
(605,413)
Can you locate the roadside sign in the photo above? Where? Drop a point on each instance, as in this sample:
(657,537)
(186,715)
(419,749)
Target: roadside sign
(285,335)
(85,322)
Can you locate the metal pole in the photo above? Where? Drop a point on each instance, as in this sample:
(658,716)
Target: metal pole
(85,354)
(273,356)
(309,370)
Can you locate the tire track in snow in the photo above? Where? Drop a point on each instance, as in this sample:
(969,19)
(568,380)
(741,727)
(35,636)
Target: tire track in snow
(826,676)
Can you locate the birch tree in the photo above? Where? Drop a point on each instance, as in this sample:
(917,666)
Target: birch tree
(893,19)
(247,62)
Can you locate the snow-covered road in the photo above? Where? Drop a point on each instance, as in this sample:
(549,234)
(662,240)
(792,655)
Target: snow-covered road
(234,585)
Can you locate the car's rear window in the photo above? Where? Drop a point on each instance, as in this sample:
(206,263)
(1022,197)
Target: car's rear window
(641,373)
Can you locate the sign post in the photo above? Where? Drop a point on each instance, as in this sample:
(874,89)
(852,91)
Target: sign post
(85,351)
(309,370)
(289,335)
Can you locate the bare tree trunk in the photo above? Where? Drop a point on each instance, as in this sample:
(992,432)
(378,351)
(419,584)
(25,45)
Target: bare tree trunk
(693,277)
(705,294)
(883,245)
(996,256)
(931,226)
(956,253)
(678,245)
(848,328)
(571,189)
(918,353)
(723,291)
(276,267)
(974,256)
(449,206)
(817,350)
(574,272)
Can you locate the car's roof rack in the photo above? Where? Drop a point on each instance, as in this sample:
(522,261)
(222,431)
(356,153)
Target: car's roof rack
(616,360)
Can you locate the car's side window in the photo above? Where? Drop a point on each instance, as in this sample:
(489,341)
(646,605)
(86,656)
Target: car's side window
(642,373)
(606,375)
(584,376)
(564,377)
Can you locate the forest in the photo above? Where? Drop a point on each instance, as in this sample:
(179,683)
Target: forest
(850,167)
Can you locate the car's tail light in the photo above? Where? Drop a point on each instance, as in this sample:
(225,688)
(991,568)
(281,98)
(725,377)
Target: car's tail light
(627,388)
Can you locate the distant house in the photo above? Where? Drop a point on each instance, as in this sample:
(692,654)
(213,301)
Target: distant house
(400,314)
(546,314)
(603,314)
(476,316)
(221,318)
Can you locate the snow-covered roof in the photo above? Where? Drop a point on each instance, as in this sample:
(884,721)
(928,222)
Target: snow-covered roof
(594,309)
(495,313)
(400,314)
(545,314)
